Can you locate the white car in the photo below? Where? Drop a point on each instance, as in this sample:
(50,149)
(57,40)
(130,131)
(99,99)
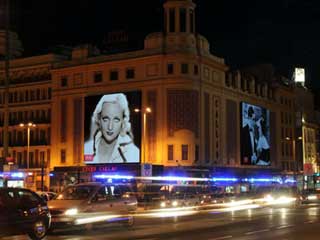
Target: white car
(89,203)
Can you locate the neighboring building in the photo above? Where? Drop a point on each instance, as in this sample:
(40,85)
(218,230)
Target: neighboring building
(307,140)
(29,101)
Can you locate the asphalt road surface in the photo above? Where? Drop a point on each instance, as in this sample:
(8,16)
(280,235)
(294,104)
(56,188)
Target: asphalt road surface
(302,223)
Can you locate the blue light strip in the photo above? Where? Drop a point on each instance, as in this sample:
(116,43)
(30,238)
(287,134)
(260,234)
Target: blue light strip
(173,178)
(290,181)
(221,179)
(17,174)
(103,176)
(252,180)
(179,178)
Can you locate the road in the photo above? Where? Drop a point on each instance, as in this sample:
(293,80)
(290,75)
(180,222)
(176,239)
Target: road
(255,223)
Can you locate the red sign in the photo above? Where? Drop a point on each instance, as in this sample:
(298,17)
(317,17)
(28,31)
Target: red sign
(308,169)
(99,169)
(10,160)
(88,157)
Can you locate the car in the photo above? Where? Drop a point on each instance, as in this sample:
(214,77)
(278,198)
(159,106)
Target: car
(310,196)
(23,212)
(92,203)
(181,200)
(279,196)
(47,195)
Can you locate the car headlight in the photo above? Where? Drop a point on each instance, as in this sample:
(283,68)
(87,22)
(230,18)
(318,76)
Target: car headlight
(174,203)
(162,204)
(312,197)
(268,198)
(71,212)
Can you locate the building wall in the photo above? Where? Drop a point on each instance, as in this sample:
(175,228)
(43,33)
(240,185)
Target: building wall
(30,94)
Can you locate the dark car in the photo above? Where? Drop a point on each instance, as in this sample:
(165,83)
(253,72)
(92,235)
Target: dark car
(22,211)
(310,196)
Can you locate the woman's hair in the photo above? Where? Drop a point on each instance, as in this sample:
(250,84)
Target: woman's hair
(119,98)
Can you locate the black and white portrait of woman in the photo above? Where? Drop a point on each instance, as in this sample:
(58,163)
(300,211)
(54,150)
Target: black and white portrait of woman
(111,138)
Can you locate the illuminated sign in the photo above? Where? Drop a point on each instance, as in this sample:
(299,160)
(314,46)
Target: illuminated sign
(299,75)
(112,131)
(255,135)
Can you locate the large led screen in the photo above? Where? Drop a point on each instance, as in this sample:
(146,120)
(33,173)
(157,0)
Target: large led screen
(112,128)
(255,135)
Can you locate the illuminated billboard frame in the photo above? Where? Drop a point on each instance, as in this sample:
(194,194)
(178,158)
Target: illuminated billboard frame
(255,135)
(112,129)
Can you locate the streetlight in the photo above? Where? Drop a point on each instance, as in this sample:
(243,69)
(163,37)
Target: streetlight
(145,112)
(28,125)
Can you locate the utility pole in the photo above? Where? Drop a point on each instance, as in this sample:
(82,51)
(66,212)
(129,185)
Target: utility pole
(6,82)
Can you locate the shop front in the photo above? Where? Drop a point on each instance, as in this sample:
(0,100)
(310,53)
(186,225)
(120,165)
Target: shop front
(61,177)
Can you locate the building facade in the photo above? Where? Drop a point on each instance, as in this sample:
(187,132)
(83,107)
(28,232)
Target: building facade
(29,101)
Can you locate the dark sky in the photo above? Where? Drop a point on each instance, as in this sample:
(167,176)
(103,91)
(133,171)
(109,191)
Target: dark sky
(282,32)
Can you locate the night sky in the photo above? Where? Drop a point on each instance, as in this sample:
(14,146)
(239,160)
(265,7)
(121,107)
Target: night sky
(282,32)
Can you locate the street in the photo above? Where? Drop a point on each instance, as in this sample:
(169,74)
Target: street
(254,223)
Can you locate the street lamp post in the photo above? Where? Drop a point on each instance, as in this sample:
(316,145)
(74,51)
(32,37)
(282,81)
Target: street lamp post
(145,112)
(29,126)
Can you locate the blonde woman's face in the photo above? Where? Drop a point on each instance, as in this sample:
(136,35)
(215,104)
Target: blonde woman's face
(111,121)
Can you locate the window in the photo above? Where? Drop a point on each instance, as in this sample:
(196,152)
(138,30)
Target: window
(49,93)
(101,195)
(170,68)
(170,152)
(130,73)
(19,158)
(184,152)
(191,21)
(42,160)
(27,95)
(38,94)
(32,97)
(184,68)
(171,20)
(114,75)
(63,156)
(183,17)
(195,70)
(64,81)
(43,136)
(97,77)
(28,199)
(196,153)
(78,79)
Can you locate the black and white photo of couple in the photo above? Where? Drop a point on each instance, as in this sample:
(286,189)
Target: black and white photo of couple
(255,137)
